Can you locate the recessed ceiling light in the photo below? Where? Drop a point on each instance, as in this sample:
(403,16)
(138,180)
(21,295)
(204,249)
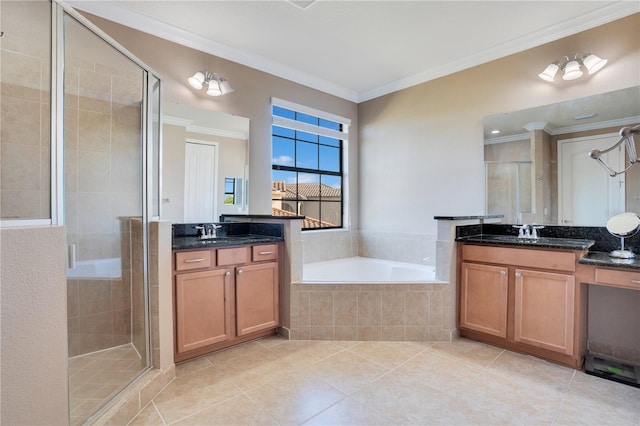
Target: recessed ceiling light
(495,132)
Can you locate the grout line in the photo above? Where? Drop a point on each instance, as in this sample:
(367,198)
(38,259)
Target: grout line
(564,397)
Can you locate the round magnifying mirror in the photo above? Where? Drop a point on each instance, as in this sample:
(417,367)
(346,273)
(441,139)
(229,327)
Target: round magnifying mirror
(623,225)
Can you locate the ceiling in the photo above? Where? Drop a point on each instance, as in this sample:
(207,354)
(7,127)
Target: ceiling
(359,50)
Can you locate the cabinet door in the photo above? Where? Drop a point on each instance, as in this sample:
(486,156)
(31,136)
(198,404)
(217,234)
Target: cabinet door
(203,314)
(544,305)
(257,298)
(483,298)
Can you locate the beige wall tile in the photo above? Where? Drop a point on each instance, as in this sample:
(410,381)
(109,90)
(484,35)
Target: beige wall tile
(20,120)
(349,333)
(369,333)
(21,167)
(321,308)
(304,316)
(321,333)
(369,308)
(345,308)
(94,131)
(417,309)
(393,334)
(94,171)
(394,308)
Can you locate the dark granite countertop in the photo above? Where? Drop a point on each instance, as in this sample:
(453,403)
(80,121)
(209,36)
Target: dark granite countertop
(542,242)
(470,217)
(190,242)
(598,258)
(185,235)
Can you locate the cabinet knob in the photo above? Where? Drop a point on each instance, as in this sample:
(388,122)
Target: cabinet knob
(227,274)
(503,273)
(240,271)
(518,274)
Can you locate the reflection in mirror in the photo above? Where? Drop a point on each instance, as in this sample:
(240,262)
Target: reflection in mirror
(537,164)
(203,152)
(623,225)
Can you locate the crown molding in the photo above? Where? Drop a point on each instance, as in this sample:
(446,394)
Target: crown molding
(113,12)
(604,15)
(188,124)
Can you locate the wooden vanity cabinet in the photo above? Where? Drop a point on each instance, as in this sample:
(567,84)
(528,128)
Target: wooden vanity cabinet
(223,297)
(483,298)
(521,299)
(203,311)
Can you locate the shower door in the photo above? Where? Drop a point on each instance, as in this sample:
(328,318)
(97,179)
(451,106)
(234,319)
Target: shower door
(106,125)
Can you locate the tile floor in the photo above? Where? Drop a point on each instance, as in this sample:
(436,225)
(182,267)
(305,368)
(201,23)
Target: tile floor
(278,382)
(95,377)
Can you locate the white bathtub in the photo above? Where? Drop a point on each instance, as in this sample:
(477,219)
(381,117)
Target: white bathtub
(367,270)
(96,268)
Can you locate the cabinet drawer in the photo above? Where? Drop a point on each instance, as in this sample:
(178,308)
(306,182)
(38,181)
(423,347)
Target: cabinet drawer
(264,252)
(617,278)
(186,260)
(233,256)
(543,259)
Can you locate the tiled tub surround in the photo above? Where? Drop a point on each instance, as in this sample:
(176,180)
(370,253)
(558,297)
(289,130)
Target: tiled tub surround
(338,244)
(417,311)
(361,312)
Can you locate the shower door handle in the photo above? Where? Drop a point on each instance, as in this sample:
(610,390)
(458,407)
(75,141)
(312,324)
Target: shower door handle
(71,256)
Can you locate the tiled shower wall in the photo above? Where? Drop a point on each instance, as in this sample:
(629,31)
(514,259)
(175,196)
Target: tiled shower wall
(103,162)
(24,127)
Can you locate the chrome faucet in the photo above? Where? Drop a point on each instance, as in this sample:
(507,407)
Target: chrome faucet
(528,231)
(212,230)
(207,231)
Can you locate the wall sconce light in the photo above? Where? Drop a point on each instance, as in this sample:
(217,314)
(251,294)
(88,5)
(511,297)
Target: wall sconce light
(572,68)
(216,85)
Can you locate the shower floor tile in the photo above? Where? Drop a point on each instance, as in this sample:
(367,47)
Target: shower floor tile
(95,377)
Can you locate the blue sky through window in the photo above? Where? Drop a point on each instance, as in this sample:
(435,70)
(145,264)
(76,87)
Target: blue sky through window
(309,151)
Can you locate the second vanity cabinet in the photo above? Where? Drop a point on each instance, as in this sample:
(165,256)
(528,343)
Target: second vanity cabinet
(522,299)
(223,297)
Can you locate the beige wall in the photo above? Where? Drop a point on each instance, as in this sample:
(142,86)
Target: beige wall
(435,129)
(251,99)
(33,322)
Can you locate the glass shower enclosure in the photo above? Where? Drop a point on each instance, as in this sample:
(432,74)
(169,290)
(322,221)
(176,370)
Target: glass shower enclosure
(509,189)
(80,148)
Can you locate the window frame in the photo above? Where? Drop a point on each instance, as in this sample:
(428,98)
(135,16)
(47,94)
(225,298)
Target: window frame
(340,135)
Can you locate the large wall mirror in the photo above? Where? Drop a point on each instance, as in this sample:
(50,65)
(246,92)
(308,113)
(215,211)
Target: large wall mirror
(537,166)
(204,165)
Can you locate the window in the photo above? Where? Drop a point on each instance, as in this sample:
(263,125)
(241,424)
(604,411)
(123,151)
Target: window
(308,177)
(229,191)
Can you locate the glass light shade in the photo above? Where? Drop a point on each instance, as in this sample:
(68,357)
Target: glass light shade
(225,87)
(196,80)
(549,72)
(594,63)
(572,71)
(214,88)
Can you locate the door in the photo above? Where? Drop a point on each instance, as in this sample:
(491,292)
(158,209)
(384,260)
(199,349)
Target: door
(483,299)
(544,306)
(583,183)
(200,182)
(257,298)
(203,314)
